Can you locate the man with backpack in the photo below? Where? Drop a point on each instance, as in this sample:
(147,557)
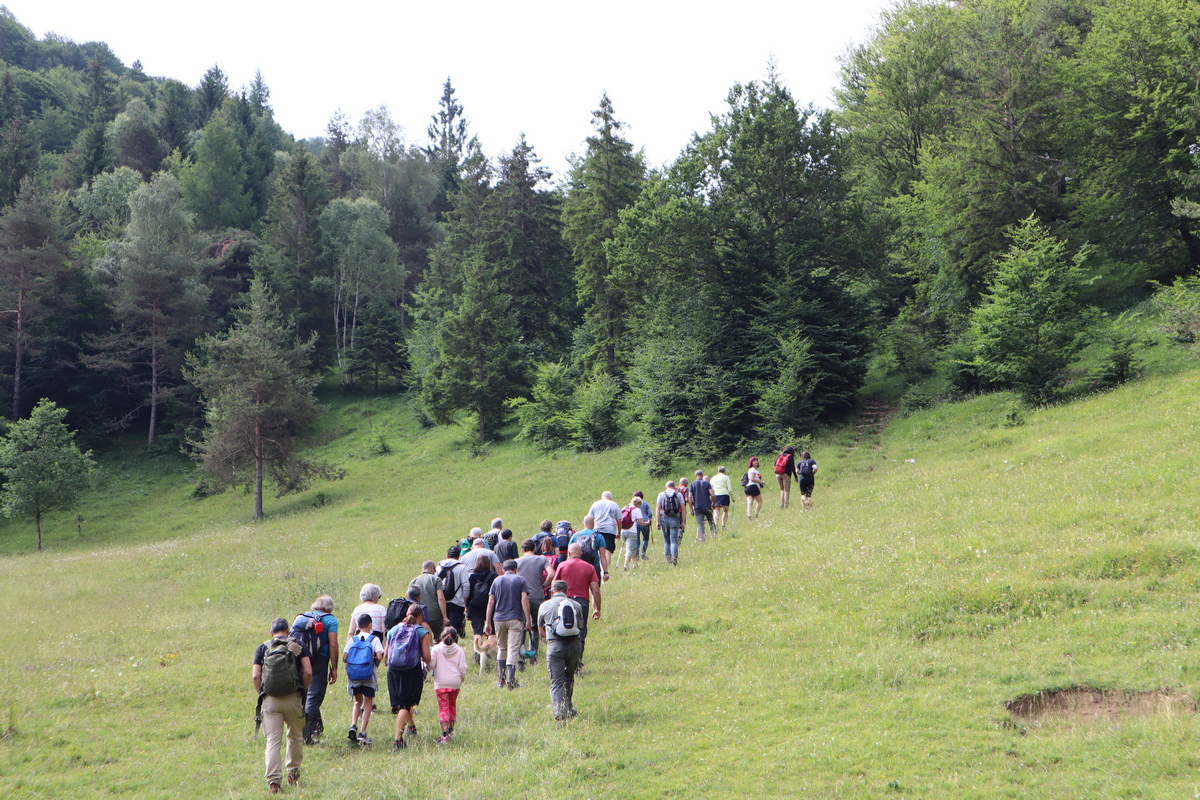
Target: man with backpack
(581,582)
(589,545)
(669,512)
(454,586)
(317,630)
(560,622)
(535,569)
(702,505)
(281,674)
(433,597)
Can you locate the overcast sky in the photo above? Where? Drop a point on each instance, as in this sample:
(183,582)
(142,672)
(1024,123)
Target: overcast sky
(537,66)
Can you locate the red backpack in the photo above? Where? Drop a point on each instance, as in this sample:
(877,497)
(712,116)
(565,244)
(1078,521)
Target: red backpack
(626,518)
(781,463)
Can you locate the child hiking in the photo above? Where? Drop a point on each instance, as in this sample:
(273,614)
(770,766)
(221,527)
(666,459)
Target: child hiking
(449,665)
(362,654)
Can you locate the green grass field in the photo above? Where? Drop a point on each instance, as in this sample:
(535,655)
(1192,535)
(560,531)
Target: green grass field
(864,650)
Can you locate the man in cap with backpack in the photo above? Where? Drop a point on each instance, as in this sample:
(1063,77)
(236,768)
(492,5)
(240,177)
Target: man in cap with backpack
(669,510)
(560,621)
(281,673)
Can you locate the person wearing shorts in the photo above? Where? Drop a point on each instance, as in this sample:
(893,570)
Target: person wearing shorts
(363,691)
(806,471)
(754,484)
(630,536)
(722,486)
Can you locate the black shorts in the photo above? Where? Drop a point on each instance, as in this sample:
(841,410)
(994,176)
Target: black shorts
(752,490)
(364,690)
(607,540)
(806,485)
(404,687)
(721,500)
(478,620)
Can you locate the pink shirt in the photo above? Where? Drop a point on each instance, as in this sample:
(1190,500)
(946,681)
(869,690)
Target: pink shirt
(449,665)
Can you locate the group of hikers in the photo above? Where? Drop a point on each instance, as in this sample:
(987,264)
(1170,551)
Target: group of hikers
(514,598)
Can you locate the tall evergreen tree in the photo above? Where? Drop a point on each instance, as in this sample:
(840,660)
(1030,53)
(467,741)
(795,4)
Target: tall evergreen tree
(449,144)
(607,179)
(211,93)
(152,276)
(215,183)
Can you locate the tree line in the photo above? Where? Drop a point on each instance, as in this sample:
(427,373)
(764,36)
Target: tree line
(996,181)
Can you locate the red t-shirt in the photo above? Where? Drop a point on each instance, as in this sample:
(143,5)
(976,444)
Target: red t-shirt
(578,574)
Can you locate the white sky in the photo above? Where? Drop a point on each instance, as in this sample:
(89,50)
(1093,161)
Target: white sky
(537,66)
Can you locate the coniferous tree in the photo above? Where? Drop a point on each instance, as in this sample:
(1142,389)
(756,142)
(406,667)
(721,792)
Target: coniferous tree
(211,93)
(607,179)
(449,144)
(133,139)
(215,183)
(152,276)
(256,383)
(174,115)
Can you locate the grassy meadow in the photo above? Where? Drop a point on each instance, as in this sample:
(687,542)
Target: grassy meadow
(864,650)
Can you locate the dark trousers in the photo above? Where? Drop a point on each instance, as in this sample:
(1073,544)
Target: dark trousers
(644,533)
(583,623)
(562,659)
(313,724)
(456,617)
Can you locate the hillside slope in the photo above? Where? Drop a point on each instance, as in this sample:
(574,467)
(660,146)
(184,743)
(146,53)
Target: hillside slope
(867,649)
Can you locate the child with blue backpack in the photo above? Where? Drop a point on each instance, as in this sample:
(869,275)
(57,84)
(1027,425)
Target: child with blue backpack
(362,654)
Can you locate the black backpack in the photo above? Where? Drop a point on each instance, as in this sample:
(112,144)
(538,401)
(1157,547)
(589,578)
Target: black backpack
(670,504)
(587,547)
(307,630)
(746,478)
(806,466)
(449,583)
(397,610)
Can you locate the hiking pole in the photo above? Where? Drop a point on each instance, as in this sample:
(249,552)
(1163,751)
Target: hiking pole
(258,717)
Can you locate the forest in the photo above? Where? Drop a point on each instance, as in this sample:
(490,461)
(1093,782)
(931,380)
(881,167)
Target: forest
(997,186)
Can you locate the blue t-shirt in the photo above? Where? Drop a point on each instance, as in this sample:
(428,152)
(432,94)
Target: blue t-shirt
(507,589)
(331,626)
(700,496)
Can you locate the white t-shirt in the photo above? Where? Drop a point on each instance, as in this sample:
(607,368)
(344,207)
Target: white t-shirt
(755,476)
(607,514)
(378,614)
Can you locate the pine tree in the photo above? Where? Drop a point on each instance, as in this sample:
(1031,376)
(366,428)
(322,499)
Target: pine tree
(257,391)
(215,183)
(607,179)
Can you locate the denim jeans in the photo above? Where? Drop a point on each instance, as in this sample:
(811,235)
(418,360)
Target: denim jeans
(314,725)
(644,532)
(670,532)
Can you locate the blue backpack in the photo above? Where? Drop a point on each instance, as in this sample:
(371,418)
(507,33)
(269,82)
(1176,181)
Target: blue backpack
(360,659)
(406,647)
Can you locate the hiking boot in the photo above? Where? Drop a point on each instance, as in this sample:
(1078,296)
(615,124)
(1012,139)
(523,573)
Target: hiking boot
(353,734)
(398,744)
(293,777)
(444,739)
(513,684)
(364,739)
(499,683)
(411,730)
(273,788)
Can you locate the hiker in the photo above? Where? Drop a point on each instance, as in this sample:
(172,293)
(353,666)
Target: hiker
(407,651)
(433,596)
(753,481)
(508,617)
(545,531)
(479,549)
(492,537)
(722,486)
(629,535)
(324,667)
(685,492)
(703,498)
(550,553)
(281,674)
(465,545)
(479,585)
(644,521)
(448,663)
(562,537)
(669,513)
(589,545)
(397,609)
(559,622)
(362,655)
(454,585)
(806,470)
(507,548)
(606,515)
(537,574)
(370,594)
(580,583)
(785,468)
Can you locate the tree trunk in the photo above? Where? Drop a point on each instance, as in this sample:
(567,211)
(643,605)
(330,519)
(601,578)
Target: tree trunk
(78,525)
(153,374)
(37,523)
(258,470)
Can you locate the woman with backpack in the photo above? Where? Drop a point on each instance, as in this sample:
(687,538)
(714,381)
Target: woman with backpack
(785,468)
(753,481)
(407,655)
(806,471)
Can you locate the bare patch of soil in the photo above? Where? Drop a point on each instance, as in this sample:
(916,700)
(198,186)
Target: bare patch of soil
(1086,702)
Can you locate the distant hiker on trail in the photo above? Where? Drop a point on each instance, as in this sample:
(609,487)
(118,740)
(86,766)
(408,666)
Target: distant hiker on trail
(537,573)
(645,520)
(722,486)
(785,468)
(508,617)
(629,533)
(455,578)
(589,545)
(807,470)
(466,543)
(506,549)
(362,655)
(479,549)
(550,553)
(607,515)
(669,511)
(492,537)
(448,663)
(686,492)
(433,597)
(281,674)
(580,583)
(702,505)
(370,594)
(560,624)
(753,481)
(545,531)
(407,654)
(324,660)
